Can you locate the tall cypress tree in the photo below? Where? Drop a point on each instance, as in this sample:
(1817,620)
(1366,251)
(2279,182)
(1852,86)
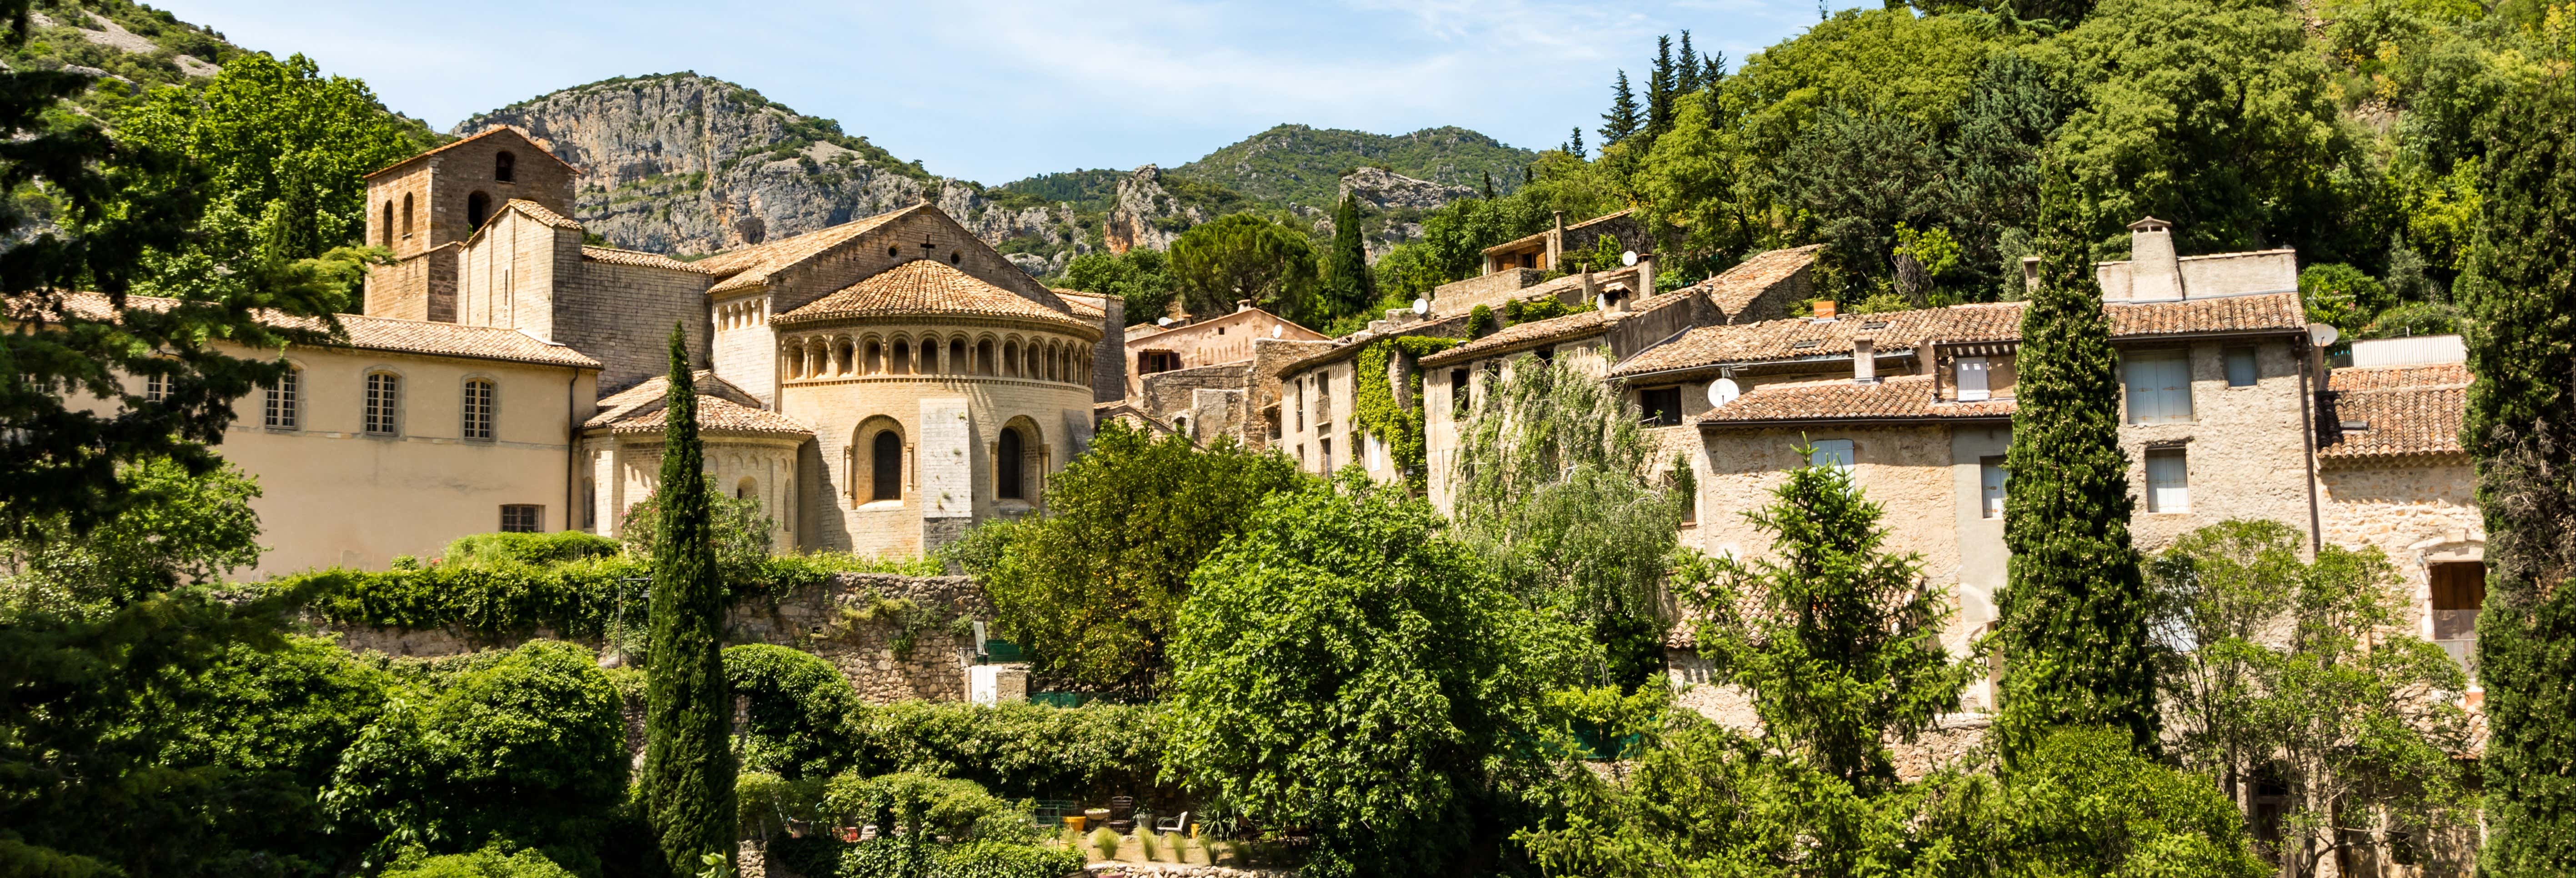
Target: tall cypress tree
(1686,69)
(2520,285)
(1347,277)
(1621,122)
(2074,606)
(1574,144)
(688,763)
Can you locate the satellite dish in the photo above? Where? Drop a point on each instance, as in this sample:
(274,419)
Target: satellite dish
(1274,331)
(1628,257)
(1723,391)
(1421,306)
(2322,334)
(1162,321)
(1601,302)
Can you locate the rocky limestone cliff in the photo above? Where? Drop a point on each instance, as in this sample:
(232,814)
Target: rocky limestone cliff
(1144,214)
(691,164)
(1397,203)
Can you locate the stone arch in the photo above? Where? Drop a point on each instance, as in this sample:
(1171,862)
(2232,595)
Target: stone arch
(926,360)
(872,358)
(842,355)
(406,220)
(478,207)
(899,358)
(984,364)
(1011,357)
(877,451)
(1019,460)
(958,363)
(387,236)
(505,167)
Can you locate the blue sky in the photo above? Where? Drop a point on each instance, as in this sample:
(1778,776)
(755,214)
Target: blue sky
(995,90)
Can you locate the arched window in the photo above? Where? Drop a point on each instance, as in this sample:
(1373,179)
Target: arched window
(478,207)
(929,357)
(478,409)
(1010,460)
(957,364)
(406,225)
(505,167)
(902,362)
(841,357)
(875,361)
(384,402)
(746,489)
(885,466)
(284,407)
(387,236)
(1011,358)
(984,357)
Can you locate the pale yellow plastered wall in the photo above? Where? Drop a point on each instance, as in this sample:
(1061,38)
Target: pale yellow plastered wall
(334,495)
(619,470)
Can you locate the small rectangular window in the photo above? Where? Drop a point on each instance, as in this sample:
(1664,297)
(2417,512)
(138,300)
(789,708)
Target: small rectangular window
(1323,400)
(2168,481)
(384,400)
(280,411)
(1376,453)
(1458,394)
(1324,451)
(156,387)
(522,518)
(1297,400)
(1661,406)
(1990,486)
(2240,367)
(478,410)
(1972,379)
(1836,453)
(2159,387)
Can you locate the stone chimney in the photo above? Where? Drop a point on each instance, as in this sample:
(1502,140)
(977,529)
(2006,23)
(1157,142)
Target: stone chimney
(1591,288)
(1645,275)
(1242,305)
(2154,272)
(1864,361)
(1556,243)
(2030,275)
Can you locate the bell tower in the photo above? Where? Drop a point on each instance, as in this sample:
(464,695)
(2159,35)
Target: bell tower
(425,207)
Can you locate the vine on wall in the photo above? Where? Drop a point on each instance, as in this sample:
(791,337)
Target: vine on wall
(1375,412)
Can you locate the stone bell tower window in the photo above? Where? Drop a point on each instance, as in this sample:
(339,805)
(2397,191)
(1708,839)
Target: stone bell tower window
(478,206)
(505,167)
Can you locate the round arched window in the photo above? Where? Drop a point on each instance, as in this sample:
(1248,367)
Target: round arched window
(885,466)
(1009,466)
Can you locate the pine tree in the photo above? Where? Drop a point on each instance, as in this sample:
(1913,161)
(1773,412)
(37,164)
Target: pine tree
(1621,122)
(2520,285)
(1838,642)
(1659,89)
(1489,185)
(1347,282)
(1574,144)
(2074,606)
(688,762)
(1712,70)
(1686,69)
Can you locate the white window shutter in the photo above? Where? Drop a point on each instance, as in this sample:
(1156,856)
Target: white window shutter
(1972,379)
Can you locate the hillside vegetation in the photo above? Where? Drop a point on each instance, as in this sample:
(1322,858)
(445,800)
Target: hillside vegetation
(1296,164)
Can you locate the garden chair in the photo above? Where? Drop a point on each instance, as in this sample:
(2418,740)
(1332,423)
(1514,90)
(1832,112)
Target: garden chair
(1175,824)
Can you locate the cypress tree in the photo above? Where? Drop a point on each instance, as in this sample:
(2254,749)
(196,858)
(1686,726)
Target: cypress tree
(1686,69)
(1574,144)
(1621,121)
(2074,603)
(1351,288)
(1489,185)
(688,763)
(2520,286)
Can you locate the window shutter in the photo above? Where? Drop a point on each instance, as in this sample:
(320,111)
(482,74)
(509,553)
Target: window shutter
(2168,482)
(1836,453)
(1972,379)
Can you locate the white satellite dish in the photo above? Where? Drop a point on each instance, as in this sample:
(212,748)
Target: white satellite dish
(1162,321)
(1421,306)
(1723,391)
(1601,302)
(2322,334)
(1274,332)
(1628,257)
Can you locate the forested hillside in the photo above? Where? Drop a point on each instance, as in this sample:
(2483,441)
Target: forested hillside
(1296,164)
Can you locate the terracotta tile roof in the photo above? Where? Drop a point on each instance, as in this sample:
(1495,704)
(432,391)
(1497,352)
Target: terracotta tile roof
(1525,239)
(487,132)
(2393,412)
(1079,301)
(1330,350)
(722,408)
(1841,399)
(386,334)
(1520,335)
(614,256)
(1736,288)
(752,265)
(540,213)
(1801,338)
(930,287)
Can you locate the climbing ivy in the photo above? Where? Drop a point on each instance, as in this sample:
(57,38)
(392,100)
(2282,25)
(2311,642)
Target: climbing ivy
(1375,412)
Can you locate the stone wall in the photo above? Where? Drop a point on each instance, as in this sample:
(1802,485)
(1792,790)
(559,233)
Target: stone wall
(842,621)
(1459,297)
(622,316)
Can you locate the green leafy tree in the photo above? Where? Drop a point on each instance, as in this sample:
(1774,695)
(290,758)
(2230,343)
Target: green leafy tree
(1094,588)
(1343,667)
(2341,296)
(1553,484)
(1660,88)
(2520,290)
(687,788)
(1243,257)
(528,751)
(738,530)
(493,861)
(2074,614)
(798,713)
(1691,183)
(2083,801)
(1839,640)
(2293,669)
(1349,287)
(2004,123)
(1142,277)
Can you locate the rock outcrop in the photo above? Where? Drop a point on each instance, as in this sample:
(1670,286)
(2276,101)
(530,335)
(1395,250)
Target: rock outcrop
(1387,190)
(1146,215)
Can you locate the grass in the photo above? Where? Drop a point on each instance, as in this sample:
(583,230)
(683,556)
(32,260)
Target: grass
(1106,842)
(1145,838)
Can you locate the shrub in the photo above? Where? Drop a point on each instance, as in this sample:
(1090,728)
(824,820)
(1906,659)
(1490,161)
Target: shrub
(579,598)
(986,859)
(798,714)
(525,548)
(493,861)
(958,810)
(1153,846)
(1016,749)
(1105,842)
